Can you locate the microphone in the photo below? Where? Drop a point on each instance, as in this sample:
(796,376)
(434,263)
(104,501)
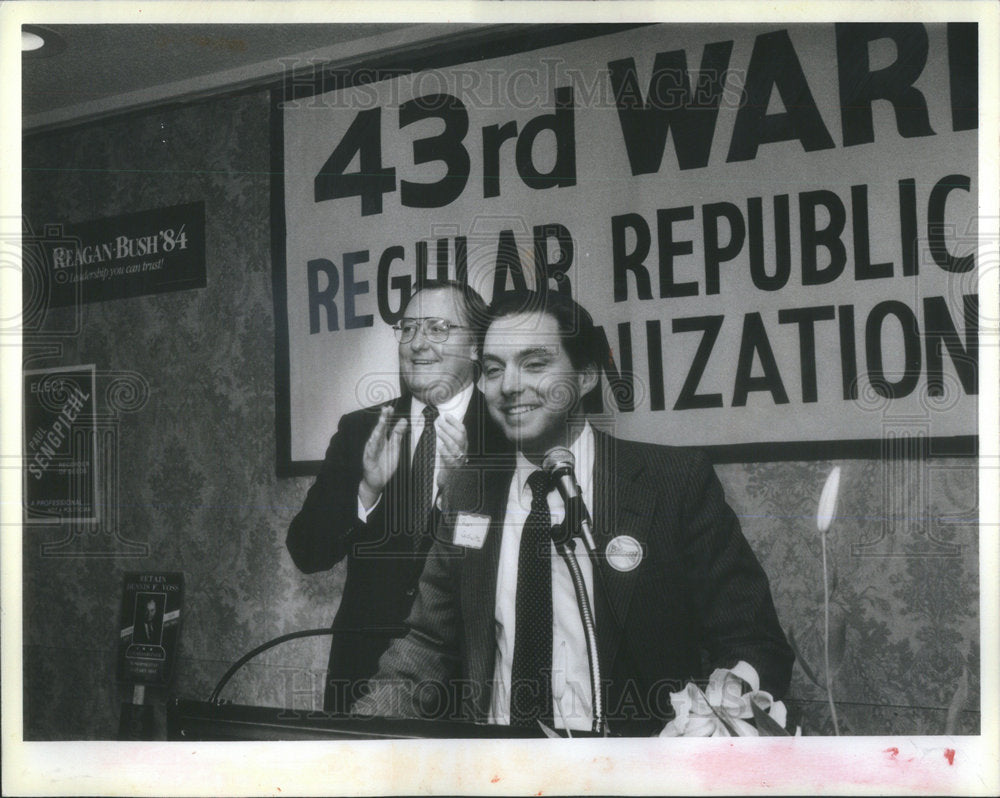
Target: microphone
(559,463)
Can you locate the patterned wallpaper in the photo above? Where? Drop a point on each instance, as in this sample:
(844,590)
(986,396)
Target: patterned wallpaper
(190,483)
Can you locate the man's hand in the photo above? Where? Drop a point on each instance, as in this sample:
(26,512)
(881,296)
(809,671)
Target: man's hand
(381,457)
(452,448)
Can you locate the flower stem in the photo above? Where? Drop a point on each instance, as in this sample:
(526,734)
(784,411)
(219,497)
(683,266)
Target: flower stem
(826,640)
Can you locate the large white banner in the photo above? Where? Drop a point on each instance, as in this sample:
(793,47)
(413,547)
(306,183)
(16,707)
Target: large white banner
(774,226)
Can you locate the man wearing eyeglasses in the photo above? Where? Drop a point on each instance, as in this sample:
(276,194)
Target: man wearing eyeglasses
(382,474)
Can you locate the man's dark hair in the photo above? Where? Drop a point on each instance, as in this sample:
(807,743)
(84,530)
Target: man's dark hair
(584,343)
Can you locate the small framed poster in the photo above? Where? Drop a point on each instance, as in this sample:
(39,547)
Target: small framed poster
(150,627)
(60,470)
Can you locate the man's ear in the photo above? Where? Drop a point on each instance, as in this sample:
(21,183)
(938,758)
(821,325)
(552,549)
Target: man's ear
(589,378)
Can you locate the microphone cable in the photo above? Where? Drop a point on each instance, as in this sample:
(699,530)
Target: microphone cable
(263,647)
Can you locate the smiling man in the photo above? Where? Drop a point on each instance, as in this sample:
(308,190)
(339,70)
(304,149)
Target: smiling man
(381,476)
(496,633)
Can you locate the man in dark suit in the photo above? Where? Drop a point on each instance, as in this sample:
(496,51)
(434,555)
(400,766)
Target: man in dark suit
(372,498)
(677,592)
(147,627)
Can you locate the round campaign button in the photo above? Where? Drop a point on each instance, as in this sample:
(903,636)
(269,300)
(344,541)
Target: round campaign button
(623,553)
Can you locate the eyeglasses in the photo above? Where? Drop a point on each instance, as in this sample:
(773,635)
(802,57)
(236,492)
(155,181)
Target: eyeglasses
(435,330)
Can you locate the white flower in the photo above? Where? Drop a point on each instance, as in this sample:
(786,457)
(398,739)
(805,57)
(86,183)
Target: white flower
(723,709)
(828,500)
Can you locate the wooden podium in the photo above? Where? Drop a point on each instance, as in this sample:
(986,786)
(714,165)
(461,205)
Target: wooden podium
(203,720)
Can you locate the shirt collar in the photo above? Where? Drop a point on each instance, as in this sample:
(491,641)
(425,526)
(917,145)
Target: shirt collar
(582,448)
(454,406)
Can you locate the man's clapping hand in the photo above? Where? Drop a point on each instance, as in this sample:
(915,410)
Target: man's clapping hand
(381,457)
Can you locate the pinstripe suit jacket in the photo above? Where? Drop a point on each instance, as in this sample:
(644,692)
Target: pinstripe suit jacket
(698,600)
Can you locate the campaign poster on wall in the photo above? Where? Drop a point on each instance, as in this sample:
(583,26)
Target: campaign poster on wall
(774,226)
(60,469)
(150,627)
(133,254)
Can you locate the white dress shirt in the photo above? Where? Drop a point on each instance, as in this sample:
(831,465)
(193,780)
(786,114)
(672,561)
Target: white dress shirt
(455,406)
(571,695)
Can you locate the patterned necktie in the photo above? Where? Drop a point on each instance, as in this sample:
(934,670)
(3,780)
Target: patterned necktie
(531,669)
(423,474)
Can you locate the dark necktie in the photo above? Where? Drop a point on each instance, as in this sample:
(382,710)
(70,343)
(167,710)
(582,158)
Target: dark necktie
(531,669)
(423,474)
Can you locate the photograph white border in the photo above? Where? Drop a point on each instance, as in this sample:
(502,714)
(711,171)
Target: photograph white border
(869,765)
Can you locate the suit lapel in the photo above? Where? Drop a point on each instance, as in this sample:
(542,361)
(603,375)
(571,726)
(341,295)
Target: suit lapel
(490,452)
(484,436)
(621,507)
(474,419)
(479,590)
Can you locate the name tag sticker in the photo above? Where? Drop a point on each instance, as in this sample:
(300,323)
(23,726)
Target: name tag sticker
(471,529)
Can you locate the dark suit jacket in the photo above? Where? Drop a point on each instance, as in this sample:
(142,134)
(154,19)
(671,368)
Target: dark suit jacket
(384,556)
(139,630)
(698,600)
